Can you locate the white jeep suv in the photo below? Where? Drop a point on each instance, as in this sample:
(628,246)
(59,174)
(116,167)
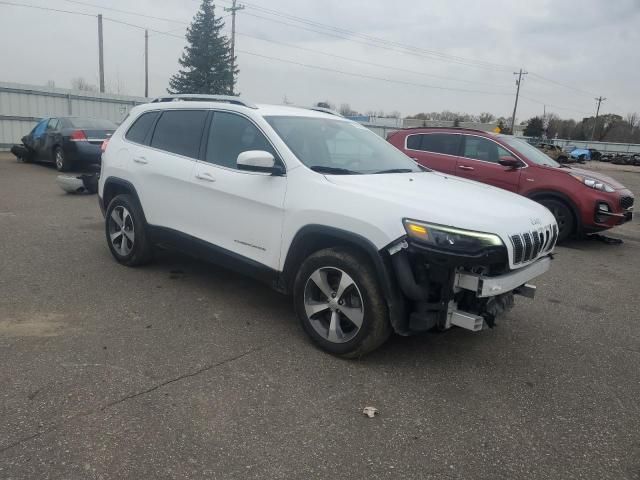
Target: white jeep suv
(366,241)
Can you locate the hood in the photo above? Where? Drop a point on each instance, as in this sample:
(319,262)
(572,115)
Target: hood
(448,200)
(598,176)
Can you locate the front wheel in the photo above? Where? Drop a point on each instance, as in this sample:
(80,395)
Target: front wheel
(126,233)
(564,218)
(340,303)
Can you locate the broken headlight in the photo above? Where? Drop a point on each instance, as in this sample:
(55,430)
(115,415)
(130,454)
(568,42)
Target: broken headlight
(450,238)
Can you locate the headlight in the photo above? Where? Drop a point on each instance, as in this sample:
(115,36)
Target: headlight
(449,238)
(593,183)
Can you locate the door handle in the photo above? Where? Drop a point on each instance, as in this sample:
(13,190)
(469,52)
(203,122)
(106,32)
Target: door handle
(140,160)
(465,167)
(207,177)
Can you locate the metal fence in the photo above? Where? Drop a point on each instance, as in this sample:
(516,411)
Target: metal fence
(21,106)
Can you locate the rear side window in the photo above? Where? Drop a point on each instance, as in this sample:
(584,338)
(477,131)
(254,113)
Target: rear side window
(446,143)
(179,131)
(141,127)
(230,135)
(414,142)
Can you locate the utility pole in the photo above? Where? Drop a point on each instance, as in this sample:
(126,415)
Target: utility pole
(233,9)
(600,99)
(515,107)
(100,54)
(146,63)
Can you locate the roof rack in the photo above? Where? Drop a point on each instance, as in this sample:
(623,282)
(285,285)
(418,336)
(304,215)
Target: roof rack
(194,97)
(324,110)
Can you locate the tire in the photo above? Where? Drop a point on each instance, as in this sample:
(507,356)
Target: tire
(62,162)
(124,210)
(325,271)
(563,215)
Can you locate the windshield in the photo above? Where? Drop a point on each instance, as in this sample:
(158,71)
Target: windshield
(339,147)
(530,152)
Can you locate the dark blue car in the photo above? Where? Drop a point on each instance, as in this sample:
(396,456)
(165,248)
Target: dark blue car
(67,141)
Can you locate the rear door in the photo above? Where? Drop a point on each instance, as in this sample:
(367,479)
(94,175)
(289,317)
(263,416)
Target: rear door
(162,170)
(438,151)
(479,161)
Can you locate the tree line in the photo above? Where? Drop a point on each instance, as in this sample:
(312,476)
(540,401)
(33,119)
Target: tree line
(608,128)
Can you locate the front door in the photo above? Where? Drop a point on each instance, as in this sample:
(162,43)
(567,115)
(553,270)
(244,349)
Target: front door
(479,161)
(239,211)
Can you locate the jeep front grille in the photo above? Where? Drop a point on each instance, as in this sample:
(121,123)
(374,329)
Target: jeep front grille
(626,202)
(528,246)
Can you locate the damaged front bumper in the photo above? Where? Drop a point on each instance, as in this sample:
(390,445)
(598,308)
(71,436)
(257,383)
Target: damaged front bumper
(442,290)
(485,286)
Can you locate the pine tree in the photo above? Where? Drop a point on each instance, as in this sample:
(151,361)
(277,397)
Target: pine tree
(206,60)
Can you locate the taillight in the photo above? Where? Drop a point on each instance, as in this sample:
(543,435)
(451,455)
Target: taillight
(105,142)
(78,136)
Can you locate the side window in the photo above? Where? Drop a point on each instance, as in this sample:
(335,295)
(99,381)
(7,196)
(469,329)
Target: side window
(504,153)
(482,149)
(53,124)
(141,127)
(230,135)
(441,143)
(179,131)
(413,142)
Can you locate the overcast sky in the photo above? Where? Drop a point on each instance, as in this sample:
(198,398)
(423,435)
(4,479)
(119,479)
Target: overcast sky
(591,45)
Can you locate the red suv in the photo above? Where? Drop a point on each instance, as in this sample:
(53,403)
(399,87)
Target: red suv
(582,201)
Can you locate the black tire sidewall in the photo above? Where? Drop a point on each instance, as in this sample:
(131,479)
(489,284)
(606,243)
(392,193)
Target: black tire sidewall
(569,230)
(375,325)
(141,248)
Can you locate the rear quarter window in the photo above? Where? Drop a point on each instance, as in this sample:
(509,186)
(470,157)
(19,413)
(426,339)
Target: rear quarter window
(141,127)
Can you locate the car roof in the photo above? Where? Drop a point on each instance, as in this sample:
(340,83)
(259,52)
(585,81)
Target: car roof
(447,130)
(262,109)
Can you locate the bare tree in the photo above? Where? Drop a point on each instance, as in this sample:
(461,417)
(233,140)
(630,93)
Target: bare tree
(346,110)
(50,84)
(486,117)
(79,83)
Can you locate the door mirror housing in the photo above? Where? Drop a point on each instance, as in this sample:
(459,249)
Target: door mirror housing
(259,161)
(510,162)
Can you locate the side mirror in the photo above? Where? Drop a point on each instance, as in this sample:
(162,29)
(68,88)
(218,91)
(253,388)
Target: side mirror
(259,161)
(510,162)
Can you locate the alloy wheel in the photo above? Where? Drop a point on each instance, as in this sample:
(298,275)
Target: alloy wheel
(121,230)
(333,304)
(59,159)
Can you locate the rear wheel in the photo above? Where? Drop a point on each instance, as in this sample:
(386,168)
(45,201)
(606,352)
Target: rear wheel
(340,304)
(62,162)
(125,230)
(564,217)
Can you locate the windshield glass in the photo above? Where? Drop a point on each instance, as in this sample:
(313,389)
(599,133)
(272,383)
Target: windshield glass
(339,147)
(530,152)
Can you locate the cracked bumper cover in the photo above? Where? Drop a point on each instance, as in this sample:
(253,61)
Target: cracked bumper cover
(485,286)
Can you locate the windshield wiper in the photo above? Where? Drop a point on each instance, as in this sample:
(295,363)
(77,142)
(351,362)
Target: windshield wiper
(332,170)
(396,170)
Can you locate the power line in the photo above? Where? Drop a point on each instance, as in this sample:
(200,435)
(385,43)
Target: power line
(540,77)
(364,62)
(372,77)
(36,7)
(370,38)
(406,50)
(539,102)
(126,12)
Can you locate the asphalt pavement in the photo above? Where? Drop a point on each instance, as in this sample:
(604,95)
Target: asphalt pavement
(184,370)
